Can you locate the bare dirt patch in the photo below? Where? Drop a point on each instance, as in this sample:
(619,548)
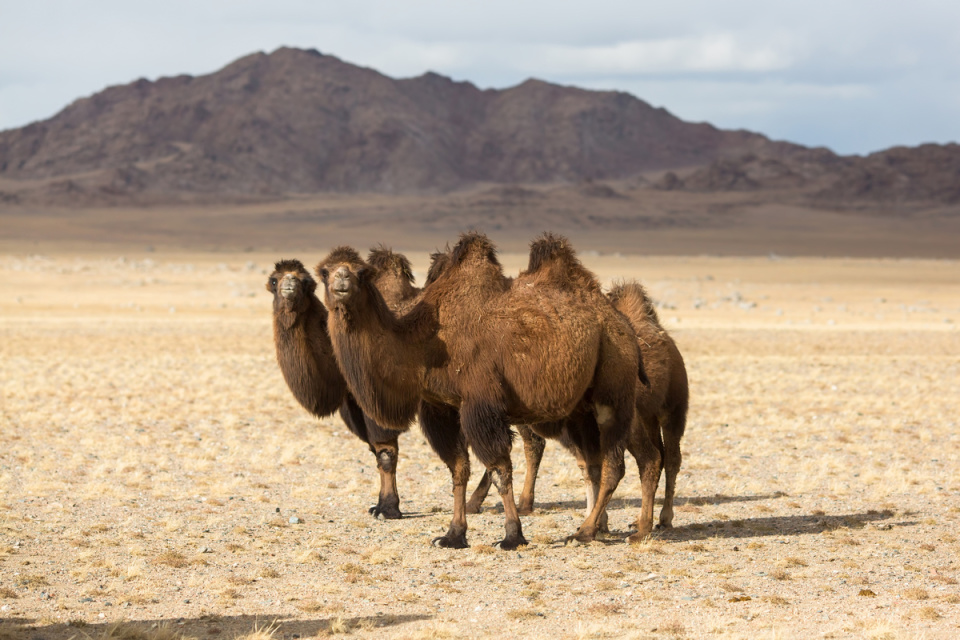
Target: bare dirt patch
(151,461)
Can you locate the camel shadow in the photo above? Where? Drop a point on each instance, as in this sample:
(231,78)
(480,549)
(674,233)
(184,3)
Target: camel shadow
(759,527)
(799,525)
(212,626)
(634,503)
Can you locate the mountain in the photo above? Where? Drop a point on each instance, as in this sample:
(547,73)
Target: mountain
(297,121)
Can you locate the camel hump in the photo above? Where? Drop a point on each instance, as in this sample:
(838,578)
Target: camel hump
(385,260)
(286,266)
(475,245)
(439,262)
(553,256)
(631,299)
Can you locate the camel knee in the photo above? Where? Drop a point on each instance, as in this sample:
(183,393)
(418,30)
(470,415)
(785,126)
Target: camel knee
(387,461)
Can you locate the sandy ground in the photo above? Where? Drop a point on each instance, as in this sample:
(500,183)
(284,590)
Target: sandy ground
(151,461)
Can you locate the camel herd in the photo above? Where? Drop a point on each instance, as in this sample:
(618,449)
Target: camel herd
(474,352)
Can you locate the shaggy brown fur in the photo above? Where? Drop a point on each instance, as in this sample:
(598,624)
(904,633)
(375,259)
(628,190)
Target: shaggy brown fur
(310,369)
(476,348)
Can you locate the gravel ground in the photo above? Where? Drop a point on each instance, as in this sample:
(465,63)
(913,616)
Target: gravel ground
(157,479)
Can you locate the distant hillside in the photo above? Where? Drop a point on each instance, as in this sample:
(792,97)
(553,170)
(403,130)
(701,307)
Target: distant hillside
(296,121)
(928,174)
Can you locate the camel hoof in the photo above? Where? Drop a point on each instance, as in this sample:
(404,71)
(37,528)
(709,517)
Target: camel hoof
(512,543)
(386,513)
(451,542)
(637,538)
(524,511)
(580,538)
(664,525)
(471,509)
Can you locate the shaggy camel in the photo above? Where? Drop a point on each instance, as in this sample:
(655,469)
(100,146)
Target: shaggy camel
(661,404)
(552,257)
(475,355)
(306,359)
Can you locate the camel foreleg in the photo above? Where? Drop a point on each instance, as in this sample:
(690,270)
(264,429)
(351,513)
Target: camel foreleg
(441,426)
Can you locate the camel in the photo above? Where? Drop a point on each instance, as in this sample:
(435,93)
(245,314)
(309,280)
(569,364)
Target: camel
(475,355)
(305,356)
(661,408)
(306,359)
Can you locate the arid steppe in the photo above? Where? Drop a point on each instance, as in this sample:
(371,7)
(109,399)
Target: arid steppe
(156,472)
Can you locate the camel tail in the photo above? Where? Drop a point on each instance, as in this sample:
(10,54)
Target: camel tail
(385,260)
(552,255)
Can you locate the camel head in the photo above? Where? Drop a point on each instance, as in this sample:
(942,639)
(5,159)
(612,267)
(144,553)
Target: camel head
(291,285)
(342,273)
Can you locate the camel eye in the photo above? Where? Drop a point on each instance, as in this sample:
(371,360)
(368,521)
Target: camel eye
(324,274)
(273,282)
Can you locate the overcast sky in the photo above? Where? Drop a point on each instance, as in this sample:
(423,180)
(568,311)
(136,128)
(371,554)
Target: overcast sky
(852,75)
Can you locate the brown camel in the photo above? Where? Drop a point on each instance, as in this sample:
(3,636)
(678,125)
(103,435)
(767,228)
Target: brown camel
(475,355)
(661,408)
(310,370)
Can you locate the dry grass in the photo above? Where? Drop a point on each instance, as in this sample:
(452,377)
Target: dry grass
(135,437)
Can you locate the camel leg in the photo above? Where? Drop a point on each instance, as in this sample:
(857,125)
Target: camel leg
(591,471)
(475,503)
(488,432)
(672,432)
(533,446)
(613,424)
(641,444)
(441,427)
(384,445)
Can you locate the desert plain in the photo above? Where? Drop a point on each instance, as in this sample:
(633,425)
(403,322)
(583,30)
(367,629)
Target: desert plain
(158,480)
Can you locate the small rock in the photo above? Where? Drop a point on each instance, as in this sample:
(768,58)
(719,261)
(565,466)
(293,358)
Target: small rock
(86,599)
(294,520)
(205,550)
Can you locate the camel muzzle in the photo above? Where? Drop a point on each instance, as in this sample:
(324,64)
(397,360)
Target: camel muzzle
(288,286)
(340,283)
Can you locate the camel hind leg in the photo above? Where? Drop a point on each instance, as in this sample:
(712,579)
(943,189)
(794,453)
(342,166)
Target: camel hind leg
(533,446)
(441,427)
(673,428)
(613,423)
(488,432)
(643,443)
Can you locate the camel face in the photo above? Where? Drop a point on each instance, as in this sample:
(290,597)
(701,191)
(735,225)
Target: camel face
(342,281)
(290,284)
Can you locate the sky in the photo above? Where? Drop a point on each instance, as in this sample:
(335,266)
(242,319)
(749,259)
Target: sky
(855,76)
